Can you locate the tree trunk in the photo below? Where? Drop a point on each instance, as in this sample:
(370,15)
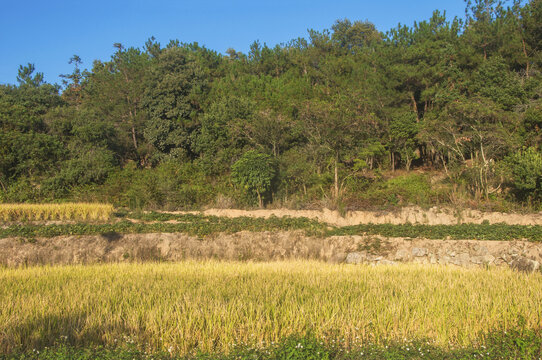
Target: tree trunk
(414,106)
(444,164)
(526,57)
(337,175)
(134,139)
(260,201)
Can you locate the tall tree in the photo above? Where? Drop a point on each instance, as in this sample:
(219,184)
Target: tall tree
(178,82)
(115,90)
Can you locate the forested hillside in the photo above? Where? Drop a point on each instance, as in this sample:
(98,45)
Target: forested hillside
(444,111)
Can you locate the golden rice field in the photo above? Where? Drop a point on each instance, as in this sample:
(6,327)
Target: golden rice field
(211,306)
(65,211)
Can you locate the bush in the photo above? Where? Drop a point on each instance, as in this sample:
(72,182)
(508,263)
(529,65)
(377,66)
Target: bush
(255,172)
(170,186)
(410,189)
(525,174)
(22,190)
(91,166)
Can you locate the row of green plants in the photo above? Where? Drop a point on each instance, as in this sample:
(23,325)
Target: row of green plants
(483,231)
(454,232)
(201,225)
(515,344)
(189,224)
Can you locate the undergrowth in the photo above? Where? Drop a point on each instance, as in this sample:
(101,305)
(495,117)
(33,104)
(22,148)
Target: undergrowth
(515,344)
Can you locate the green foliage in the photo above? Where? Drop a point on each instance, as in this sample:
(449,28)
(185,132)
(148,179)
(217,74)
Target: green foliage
(255,172)
(403,132)
(22,190)
(114,91)
(403,190)
(188,224)
(295,171)
(306,348)
(170,185)
(173,97)
(533,119)
(26,147)
(28,154)
(494,81)
(457,232)
(525,171)
(335,110)
(371,154)
(219,140)
(93,165)
(25,78)
(205,225)
(518,343)
(352,36)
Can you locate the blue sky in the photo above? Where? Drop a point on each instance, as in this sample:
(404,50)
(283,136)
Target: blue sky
(48,32)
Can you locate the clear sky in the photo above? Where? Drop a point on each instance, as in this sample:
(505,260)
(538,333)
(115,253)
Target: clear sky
(49,32)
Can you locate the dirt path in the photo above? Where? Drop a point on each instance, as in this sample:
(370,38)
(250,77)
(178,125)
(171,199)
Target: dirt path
(432,216)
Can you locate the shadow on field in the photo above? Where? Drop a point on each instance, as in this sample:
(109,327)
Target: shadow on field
(50,330)
(111,236)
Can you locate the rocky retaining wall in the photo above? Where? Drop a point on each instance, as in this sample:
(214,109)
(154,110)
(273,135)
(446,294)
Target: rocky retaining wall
(269,246)
(520,255)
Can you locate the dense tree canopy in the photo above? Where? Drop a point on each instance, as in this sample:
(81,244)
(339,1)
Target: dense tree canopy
(336,114)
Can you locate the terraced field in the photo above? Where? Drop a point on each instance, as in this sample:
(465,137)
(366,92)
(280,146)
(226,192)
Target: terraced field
(150,306)
(215,307)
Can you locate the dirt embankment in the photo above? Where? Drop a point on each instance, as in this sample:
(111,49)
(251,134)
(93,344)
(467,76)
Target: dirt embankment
(414,215)
(267,246)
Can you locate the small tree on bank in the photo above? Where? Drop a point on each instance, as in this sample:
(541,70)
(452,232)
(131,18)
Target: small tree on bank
(525,172)
(254,172)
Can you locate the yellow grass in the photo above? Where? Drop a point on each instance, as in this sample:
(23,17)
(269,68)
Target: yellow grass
(66,211)
(211,306)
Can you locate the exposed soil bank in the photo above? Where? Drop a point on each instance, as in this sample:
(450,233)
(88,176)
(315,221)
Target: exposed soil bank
(267,246)
(432,216)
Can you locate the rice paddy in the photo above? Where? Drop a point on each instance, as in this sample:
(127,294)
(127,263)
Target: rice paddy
(215,306)
(64,211)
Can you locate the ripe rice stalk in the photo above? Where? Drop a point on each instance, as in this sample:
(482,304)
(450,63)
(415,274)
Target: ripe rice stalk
(213,306)
(45,212)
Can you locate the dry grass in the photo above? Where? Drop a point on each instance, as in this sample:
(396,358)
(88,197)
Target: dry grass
(210,306)
(44,212)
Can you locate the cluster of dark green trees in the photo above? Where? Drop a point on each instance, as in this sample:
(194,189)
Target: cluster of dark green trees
(331,117)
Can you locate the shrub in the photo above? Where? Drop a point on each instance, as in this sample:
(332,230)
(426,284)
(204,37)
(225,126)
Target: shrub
(525,171)
(402,190)
(255,172)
